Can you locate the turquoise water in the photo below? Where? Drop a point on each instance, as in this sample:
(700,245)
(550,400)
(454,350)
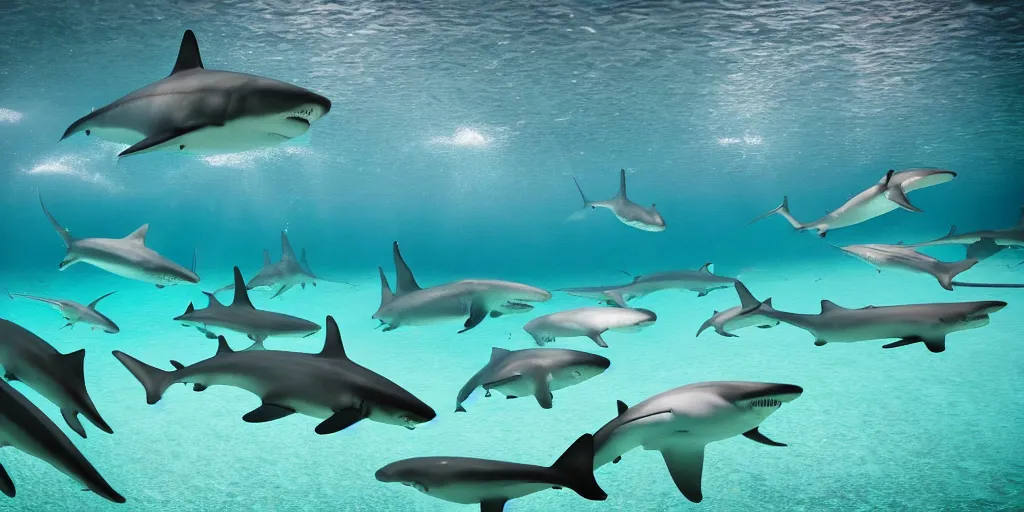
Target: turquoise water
(456,130)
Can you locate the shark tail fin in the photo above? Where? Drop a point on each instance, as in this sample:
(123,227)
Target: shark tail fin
(708,323)
(954,269)
(154,380)
(74,367)
(65,235)
(576,469)
(385,289)
(782,209)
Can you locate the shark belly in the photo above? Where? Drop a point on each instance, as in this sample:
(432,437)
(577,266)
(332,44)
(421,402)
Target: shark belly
(855,214)
(737,321)
(468,493)
(124,269)
(241,134)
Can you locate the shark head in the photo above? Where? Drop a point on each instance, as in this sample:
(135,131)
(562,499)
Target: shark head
(584,366)
(512,308)
(403,411)
(976,315)
(732,408)
(652,220)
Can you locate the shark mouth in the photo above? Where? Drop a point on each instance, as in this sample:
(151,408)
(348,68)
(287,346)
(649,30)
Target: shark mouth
(765,403)
(299,119)
(977,317)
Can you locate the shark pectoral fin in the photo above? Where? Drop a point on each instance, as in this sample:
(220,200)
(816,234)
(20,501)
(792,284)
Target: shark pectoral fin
(617,298)
(340,420)
(197,387)
(899,197)
(267,412)
(6,484)
(904,342)
(282,289)
(617,460)
(496,314)
(756,436)
(686,465)
(765,326)
(493,505)
(69,324)
(542,390)
(477,313)
(819,343)
(936,346)
(722,332)
(702,294)
(71,417)
(597,339)
(390,327)
(10,377)
(158,139)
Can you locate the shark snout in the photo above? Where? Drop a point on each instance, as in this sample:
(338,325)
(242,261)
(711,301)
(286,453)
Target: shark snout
(993,306)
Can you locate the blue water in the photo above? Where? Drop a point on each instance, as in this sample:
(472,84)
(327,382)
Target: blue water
(456,129)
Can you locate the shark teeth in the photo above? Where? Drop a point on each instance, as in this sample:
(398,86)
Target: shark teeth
(765,402)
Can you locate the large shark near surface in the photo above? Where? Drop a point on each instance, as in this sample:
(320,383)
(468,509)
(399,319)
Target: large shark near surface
(885,196)
(204,111)
(75,313)
(473,298)
(628,212)
(127,257)
(681,422)
(328,385)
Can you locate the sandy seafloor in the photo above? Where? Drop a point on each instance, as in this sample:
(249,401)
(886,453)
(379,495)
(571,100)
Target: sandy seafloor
(900,429)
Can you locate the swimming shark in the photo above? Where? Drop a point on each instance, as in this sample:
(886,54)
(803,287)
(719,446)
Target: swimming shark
(909,324)
(1007,237)
(703,281)
(60,378)
(327,386)
(885,196)
(475,298)
(493,483)
(738,317)
(901,257)
(589,322)
(242,317)
(74,312)
(628,212)
(25,428)
(681,422)
(283,275)
(597,293)
(534,371)
(204,111)
(127,257)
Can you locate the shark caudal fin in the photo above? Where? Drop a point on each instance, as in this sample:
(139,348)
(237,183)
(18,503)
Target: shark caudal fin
(783,210)
(579,214)
(74,368)
(385,289)
(154,380)
(576,469)
(708,323)
(951,270)
(65,235)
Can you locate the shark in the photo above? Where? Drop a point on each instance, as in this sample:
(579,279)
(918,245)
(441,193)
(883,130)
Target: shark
(738,317)
(703,281)
(883,197)
(127,257)
(589,322)
(628,212)
(1007,237)
(327,386)
(534,371)
(282,276)
(75,313)
(201,110)
(681,422)
(597,293)
(904,258)
(908,324)
(476,299)
(25,428)
(493,483)
(242,317)
(60,378)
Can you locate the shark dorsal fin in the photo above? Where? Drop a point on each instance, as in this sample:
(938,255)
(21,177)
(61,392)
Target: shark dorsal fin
(406,281)
(747,300)
(139,235)
(622,407)
(708,268)
(213,299)
(92,305)
(188,54)
(191,307)
(827,305)
(622,183)
(266,258)
(498,354)
(333,347)
(767,302)
(74,365)
(385,289)
(241,295)
(222,346)
(287,253)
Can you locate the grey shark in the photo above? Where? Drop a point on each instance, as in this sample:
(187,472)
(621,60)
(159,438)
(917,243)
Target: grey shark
(60,378)
(901,257)
(588,322)
(127,257)
(25,428)
(75,313)
(493,483)
(1008,237)
(598,293)
(327,386)
(681,422)
(242,317)
(909,324)
(628,212)
(984,249)
(200,110)
(703,281)
(475,298)
(885,196)
(535,371)
(738,317)
(282,276)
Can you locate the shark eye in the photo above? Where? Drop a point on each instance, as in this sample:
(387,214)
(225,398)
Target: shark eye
(577,373)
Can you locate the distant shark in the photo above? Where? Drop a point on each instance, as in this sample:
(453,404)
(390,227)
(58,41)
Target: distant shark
(628,212)
(534,371)
(902,257)
(283,275)
(200,110)
(589,322)
(25,428)
(127,257)
(475,298)
(1008,237)
(703,281)
(738,317)
(242,317)
(681,422)
(60,378)
(327,386)
(75,313)
(493,483)
(888,194)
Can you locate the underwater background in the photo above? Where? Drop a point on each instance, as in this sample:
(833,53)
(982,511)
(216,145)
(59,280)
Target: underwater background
(456,129)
